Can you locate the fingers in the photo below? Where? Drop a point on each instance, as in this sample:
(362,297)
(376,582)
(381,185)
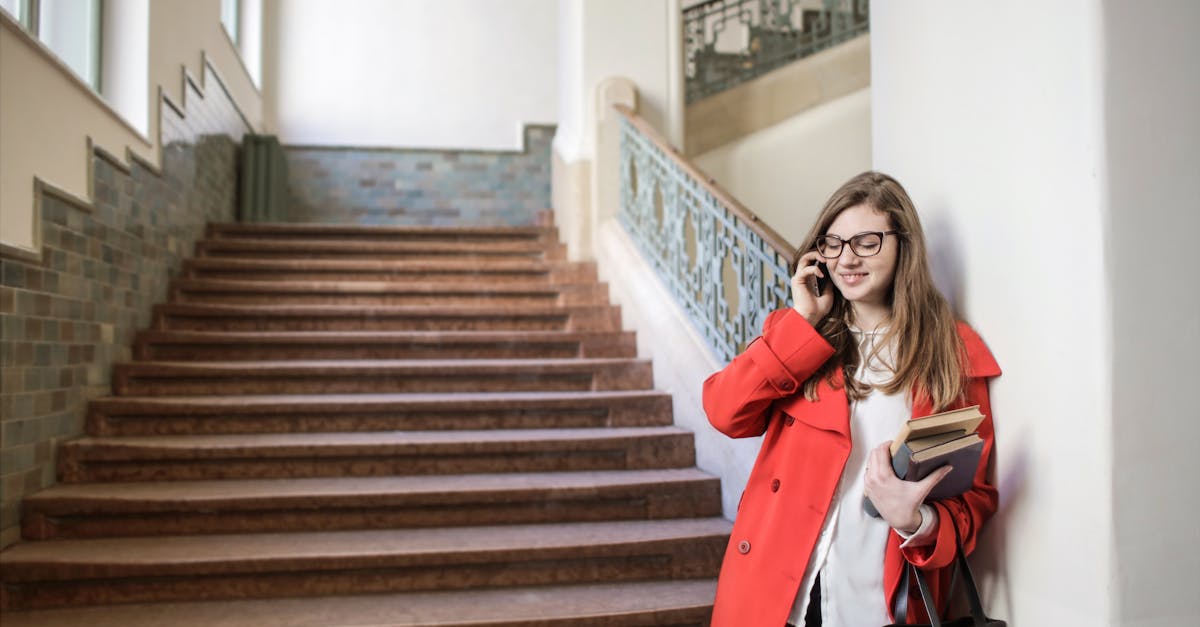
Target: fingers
(932,479)
(879,466)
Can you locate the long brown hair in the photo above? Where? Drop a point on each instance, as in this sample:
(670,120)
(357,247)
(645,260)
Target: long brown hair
(929,359)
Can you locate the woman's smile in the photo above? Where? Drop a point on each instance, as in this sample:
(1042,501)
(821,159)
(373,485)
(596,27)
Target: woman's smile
(853,278)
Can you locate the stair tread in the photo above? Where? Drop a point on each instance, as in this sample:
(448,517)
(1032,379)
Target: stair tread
(292,228)
(508,606)
(368,366)
(516,264)
(308,310)
(462,399)
(273,552)
(253,494)
(289,444)
(304,246)
(374,286)
(332,337)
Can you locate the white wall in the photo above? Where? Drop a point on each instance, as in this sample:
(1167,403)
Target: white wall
(991,114)
(630,39)
(1151,97)
(423,73)
(786,172)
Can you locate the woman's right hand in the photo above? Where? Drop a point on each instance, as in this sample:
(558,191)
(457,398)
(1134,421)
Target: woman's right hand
(807,304)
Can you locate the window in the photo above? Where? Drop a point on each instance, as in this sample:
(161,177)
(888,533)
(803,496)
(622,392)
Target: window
(21,10)
(70,28)
(230,10)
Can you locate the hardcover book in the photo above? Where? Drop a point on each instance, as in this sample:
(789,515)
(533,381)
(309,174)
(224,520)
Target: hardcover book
(926,444)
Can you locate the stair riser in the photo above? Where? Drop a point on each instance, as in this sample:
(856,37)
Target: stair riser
(422,253)
(650,413)
(564,274)
(83,464)
(622,376)
(697,615)
(675,500)
(593,296)
(690,559)
(617,347)
(599,319)
(288,232)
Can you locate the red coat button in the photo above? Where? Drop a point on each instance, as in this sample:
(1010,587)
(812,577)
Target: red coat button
(744,547)
(774,485)
(787,386)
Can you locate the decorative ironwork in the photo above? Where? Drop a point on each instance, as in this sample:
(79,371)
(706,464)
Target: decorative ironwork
(726,271)
(727,42)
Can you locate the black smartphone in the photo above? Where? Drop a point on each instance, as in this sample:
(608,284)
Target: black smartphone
(821,281)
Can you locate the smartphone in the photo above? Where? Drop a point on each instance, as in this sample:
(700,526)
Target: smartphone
(818,286)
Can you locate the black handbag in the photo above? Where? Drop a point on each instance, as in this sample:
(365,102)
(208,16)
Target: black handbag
(961,570)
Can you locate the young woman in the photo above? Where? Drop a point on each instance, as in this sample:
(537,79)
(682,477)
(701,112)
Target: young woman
(828,384)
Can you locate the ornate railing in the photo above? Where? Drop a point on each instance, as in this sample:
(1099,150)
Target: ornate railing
(727,42)
(725,267)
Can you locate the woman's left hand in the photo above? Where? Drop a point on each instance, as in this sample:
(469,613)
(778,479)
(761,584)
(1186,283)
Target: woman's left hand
(898,501)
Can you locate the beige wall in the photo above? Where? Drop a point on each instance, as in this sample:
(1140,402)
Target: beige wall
(599,40)
(1152,135)
(778,95)
(784,173)
(47,115)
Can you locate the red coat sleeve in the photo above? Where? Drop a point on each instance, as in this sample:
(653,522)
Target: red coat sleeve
(970,510)
(737,399)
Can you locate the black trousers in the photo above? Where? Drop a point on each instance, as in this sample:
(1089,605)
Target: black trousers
(812,616)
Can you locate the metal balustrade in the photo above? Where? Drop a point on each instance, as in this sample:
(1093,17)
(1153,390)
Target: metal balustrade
(725,268)
(728,42)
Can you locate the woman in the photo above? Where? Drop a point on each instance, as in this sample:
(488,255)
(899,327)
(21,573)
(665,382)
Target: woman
(828,383)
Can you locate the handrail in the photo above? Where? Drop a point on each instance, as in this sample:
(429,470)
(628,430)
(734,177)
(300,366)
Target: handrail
(725,268)
(772,237)
(728,42)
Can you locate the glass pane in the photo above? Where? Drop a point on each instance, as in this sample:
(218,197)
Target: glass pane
(71,28)
(229,18)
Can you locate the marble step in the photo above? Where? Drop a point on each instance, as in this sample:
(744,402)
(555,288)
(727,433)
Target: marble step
(447,270)
(384,233)
(300,247)
(681,603)
(271,345)
(385,293)
(127,415)
(202,317)
(378,376)
(272,565)
(159,508)
(379,453)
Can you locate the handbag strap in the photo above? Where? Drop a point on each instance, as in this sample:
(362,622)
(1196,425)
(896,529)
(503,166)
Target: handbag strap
(962,569)
(968,579)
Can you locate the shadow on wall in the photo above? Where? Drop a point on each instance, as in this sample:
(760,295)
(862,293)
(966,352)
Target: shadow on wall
(945,260)
(946,264)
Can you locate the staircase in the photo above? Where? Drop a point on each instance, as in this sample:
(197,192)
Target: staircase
(375,426)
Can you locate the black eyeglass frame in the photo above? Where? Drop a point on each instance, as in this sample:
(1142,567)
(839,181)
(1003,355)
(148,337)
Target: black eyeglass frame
(851,243)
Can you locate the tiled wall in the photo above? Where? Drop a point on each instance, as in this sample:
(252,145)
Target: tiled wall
(422,187)
(65,320)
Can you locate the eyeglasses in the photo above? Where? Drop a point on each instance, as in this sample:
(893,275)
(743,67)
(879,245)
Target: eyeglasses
(865,244)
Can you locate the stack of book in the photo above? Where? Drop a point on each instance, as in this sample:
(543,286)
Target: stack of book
(928,443)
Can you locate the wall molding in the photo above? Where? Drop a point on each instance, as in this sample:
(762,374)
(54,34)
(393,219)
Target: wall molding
(523,150)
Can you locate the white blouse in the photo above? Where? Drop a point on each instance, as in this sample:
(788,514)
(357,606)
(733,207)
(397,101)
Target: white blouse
(850,549)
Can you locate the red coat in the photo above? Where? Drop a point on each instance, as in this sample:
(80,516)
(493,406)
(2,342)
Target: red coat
(804,450)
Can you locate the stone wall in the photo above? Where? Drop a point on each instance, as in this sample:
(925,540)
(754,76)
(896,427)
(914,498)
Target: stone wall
(64,319)
(421,187)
